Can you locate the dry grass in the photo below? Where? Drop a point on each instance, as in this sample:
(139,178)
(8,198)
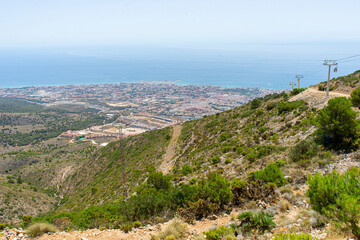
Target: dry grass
(286,189)
(38,229)
(251,205)
(174,231)
(284,205)
(334,233)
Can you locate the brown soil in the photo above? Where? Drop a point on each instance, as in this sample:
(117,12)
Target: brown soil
(167,162)
(143,233)
(317,98)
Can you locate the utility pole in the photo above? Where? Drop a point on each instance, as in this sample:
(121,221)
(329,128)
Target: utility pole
(292,84)
(299,76)
(125,190)
(329,63)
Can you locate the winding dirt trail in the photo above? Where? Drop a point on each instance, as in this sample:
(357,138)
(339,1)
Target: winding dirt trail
(317,98)
(331,93)
(167,162)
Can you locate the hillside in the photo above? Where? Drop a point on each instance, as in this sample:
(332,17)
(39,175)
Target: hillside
(237,141)
(239,146)
(344,84)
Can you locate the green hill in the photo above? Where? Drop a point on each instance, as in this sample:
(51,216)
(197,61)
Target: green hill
(15,105)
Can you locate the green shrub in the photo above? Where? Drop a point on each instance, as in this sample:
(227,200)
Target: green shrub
(321,88)
(186,169)
(248,113)
(285,107)
(355,98)
(208,196)
(237,183)
(227,160)
(223,137)
(215,159)
(19,180)
(304,150)
(337,124)
(159,181)
(255,103)
(296,91)
(37,229)
(126,227)
(271,174)
(215,188)
(27,220)
(170,237)
(293,236)
(260,221)
(2,227)
(219,233)
(337,197)
(270,106)
(251,157)
(193,180)
(136,224)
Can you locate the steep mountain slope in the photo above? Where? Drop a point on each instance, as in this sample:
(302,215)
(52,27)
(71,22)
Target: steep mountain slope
(237,142)
(240,144)
(100,179)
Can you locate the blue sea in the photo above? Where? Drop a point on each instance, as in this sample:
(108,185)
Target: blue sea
(273,67)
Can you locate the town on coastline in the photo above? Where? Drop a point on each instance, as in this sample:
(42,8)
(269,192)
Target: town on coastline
(138,107)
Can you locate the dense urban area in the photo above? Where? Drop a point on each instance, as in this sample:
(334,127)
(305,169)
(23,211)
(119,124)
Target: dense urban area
(137,107)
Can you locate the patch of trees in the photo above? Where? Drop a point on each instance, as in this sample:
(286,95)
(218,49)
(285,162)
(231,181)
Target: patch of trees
(337,124)
(53,129)
(15,105)
(337,197)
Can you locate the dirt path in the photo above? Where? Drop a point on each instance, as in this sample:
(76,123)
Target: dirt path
(167,162)
(317,98)
(331,93)
(143,233)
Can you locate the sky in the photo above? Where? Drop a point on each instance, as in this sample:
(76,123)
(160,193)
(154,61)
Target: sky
(176,23)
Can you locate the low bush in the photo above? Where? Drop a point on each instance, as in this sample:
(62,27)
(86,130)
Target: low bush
(126,227)
(153,199)
(296,91)
(260,151)
(248,113)
(285,107)
(136,224)
(259,221)
(159,181)
(271,174)
(337,124)
(355,98)
(209,195)
(304,150)
(37,229)
(186,169)
(176,228)
(220,233)
(293,236)
(270,106)
(215,159)
(255,103)
(321,88)
(337,197)
(252,191)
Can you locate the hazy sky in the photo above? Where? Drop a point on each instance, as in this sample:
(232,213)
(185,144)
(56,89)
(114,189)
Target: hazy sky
(25,23)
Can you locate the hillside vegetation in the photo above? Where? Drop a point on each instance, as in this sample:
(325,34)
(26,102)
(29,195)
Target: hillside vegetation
(256,158)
